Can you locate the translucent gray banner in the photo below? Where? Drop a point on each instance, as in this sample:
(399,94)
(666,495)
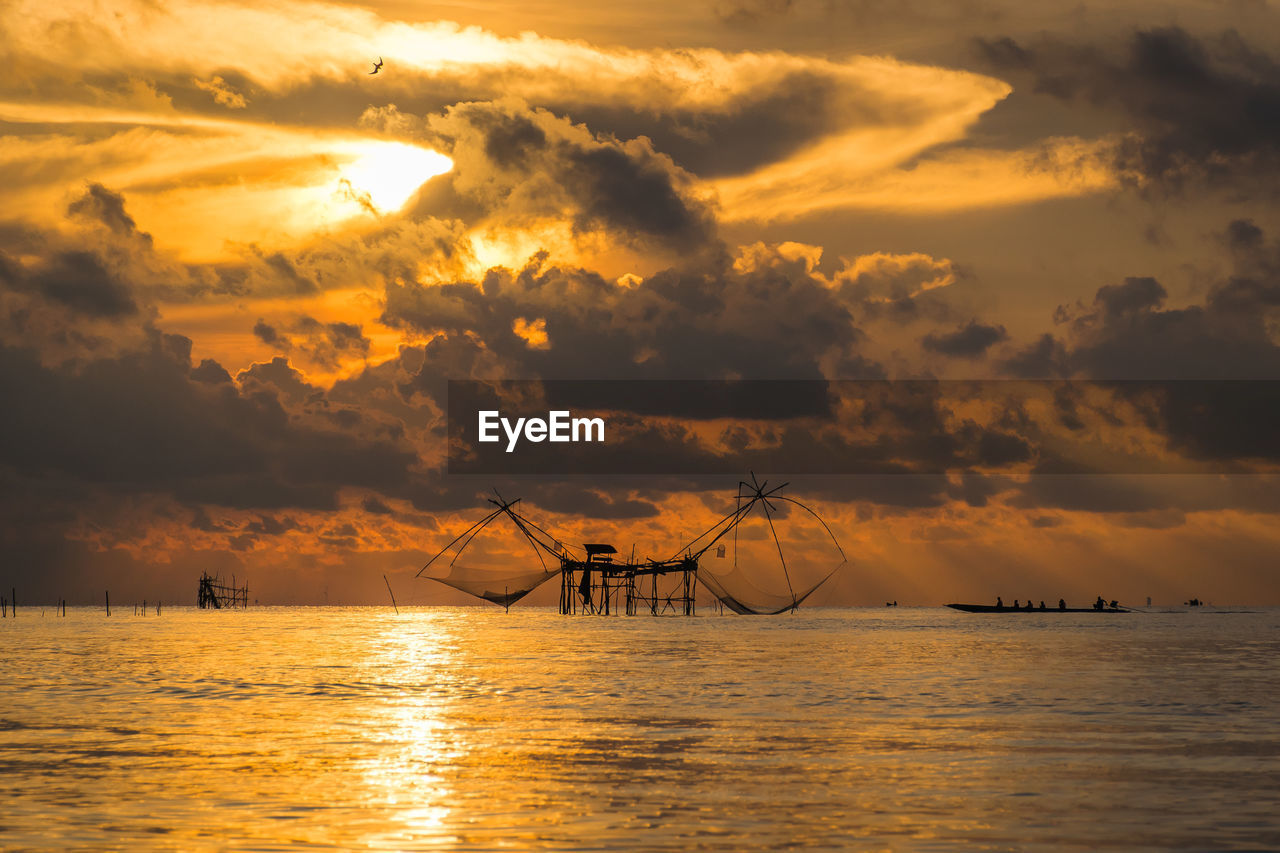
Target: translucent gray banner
(698,427)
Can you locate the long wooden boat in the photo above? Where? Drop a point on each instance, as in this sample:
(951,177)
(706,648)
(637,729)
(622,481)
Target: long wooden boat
(991,608)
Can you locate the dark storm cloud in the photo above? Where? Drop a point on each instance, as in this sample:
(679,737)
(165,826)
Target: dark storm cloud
(1216,400)
(710,320)
(765,125)
(375,507)
(902,492)
(1136,294)
(141,422)
(510,139)
(1199,107)
(969,341)
(101,266)
(278,377)
(633,194)
(1119,496)
(575,499)
(90,271)
(100,204)
(1044,359)
(525,163)
(286,270)
(267,333)
(210,372)
(324,343)
(270,525)
(1128,333)
(780,113)
(80,281)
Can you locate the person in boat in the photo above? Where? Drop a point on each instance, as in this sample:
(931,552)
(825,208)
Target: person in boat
(1042,607)
(999,603)
(1016,605)
(1029,607)
(1099,604)
(1062,604)
(1114,605)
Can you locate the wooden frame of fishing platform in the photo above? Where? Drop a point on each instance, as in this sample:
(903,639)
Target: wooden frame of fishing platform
(592,582)
(599,586)
(215,595)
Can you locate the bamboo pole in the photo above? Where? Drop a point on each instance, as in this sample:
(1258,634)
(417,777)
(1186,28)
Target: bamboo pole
(393,595)
(108,594)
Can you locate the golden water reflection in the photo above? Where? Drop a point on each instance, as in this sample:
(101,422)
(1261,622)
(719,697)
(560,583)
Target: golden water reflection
(471,729)
(413,733)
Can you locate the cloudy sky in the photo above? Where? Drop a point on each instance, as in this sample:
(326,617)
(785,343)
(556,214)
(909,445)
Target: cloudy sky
(237,270)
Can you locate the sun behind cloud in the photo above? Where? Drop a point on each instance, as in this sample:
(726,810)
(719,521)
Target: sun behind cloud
(388,173)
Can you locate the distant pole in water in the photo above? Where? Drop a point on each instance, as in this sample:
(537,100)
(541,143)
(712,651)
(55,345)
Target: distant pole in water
(108,602)
(393,595)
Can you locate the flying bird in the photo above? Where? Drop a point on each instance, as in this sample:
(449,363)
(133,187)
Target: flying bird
(377,66)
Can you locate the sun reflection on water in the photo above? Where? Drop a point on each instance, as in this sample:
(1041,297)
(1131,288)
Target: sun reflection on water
(412,732)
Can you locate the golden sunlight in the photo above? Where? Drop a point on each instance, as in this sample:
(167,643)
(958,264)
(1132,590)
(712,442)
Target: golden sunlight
(386,174)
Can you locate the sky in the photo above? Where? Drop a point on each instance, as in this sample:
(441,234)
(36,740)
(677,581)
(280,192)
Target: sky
(237,271)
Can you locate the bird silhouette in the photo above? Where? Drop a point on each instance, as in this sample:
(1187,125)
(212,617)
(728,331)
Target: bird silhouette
(377,66)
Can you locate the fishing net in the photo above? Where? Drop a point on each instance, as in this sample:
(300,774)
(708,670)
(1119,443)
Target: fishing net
(502,589)
(501,585)
(748,539)
(736,592)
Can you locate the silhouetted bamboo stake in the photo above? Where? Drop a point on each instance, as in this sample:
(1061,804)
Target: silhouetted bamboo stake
(393,595)
(108,594)
(157,608)
(13,601)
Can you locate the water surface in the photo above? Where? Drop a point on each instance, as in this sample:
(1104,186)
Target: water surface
(467,728)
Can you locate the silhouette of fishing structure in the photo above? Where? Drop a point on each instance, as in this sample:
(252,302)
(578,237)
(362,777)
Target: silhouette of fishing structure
(215,595)
(593,581)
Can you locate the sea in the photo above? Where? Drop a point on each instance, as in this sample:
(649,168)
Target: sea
(474,729)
